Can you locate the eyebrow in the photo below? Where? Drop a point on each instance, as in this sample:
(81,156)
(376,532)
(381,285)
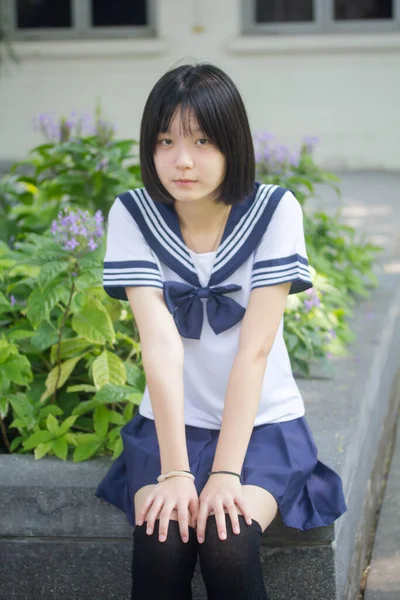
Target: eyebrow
(194,131)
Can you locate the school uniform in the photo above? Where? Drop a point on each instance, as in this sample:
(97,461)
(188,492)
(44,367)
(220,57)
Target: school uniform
(263,244)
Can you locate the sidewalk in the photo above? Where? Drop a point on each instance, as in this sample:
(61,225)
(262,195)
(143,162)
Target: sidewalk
(383,582)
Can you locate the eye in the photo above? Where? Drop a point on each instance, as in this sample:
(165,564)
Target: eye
(165,142)
(203,141)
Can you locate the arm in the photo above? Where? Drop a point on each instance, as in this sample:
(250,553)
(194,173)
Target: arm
(162,355)
(259,328)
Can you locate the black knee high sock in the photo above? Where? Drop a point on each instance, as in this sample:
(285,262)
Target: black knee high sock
(163,570)
(231,568)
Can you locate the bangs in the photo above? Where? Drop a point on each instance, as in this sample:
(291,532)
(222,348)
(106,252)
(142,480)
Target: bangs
(194,113)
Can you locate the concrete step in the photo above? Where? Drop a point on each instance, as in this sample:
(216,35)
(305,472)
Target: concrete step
(383,582)
(58,541)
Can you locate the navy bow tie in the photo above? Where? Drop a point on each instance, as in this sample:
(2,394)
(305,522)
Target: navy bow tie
(184,302)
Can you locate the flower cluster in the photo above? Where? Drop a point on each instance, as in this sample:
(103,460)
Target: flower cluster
(312,300)
(75,126)
(78,230)
(273,158)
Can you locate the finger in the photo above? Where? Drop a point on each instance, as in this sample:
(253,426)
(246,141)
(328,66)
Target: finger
(220,519)
(194,511)
(143,512)
(204,511)
(153,514)
(242,505)
(233,514)
(183,520)
(165,516)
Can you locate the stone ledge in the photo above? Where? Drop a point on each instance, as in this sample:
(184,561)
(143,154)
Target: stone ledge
(50,507)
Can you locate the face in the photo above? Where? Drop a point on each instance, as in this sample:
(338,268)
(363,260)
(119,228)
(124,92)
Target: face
(191,168)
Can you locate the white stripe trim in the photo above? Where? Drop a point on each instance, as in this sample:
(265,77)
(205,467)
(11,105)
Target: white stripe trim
(130,276)
(282,278)
(245,226)
(161,231)
(133,282)
(281,268)
(154,272)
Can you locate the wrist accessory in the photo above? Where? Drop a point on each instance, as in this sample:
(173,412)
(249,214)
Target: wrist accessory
(165,476)
(226,472)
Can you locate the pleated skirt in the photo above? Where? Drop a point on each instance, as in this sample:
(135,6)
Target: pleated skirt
(281,458)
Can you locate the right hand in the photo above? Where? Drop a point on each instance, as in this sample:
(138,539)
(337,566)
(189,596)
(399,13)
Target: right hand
(175,493)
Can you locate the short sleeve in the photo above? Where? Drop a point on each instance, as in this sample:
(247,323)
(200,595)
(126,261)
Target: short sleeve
(281,255)
(129,260)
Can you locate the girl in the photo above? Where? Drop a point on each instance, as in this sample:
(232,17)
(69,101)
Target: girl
(206,257)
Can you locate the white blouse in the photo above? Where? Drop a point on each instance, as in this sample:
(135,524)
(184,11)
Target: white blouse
(263,244)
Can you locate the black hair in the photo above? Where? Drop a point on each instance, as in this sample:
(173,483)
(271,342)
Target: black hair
(210,95)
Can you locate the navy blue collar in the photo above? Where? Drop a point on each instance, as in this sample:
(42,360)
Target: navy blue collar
(246,224)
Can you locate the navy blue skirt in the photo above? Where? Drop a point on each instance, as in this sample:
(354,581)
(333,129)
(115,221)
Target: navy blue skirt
(281,458)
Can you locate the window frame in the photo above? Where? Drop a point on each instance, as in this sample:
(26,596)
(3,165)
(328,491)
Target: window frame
(324,22)
(80,28)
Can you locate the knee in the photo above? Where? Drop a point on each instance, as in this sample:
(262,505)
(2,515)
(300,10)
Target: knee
(236,553)
(163,557)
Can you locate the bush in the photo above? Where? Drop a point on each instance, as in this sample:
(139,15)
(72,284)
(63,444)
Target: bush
(70,365)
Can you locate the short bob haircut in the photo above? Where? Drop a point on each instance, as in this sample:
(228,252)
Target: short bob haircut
(207,93)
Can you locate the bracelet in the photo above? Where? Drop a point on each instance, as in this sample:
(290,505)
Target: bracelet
(226,472)
(165,476)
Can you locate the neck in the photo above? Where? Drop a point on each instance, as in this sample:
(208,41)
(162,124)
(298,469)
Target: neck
(200,215)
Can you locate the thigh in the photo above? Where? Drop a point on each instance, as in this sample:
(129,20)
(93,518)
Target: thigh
(141,497)
(262,505)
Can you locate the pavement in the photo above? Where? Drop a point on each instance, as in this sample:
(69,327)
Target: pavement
(383,578)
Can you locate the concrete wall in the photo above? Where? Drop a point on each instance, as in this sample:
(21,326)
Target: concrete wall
(344,89)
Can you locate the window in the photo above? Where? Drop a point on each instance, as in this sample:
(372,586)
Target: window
(319,16)
(30,19)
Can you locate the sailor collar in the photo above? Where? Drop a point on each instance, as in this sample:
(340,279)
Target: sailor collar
(246,224)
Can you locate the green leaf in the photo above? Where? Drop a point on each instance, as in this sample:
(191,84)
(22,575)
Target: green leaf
(60,448)
(45,336)
(67,368)
(15,443)
(52,425)
(69,348)
(108,368)
(135,376)
(86,451)
(65,425)
(42,450)
(3,407)
(118,448)
(101,421)
(81,388)
(42,302)
(17,369)
(116,418)
(94,323)
(37,438)
(50,271)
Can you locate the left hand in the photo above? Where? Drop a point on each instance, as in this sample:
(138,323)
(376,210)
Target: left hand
(221,492)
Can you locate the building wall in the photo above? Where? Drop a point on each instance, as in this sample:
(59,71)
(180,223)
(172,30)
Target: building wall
(344,89)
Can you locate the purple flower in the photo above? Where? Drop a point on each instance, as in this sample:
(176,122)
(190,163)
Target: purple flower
(309,142)
(12,300)
(313,300)
(76,230)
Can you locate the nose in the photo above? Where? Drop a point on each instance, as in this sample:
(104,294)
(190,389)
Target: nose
(183,159)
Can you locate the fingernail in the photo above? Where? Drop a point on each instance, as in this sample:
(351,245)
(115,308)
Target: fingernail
(223,536)
(140,522)
(236,529)
(201,540)
(148,531)
(185,539)
(162,538)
